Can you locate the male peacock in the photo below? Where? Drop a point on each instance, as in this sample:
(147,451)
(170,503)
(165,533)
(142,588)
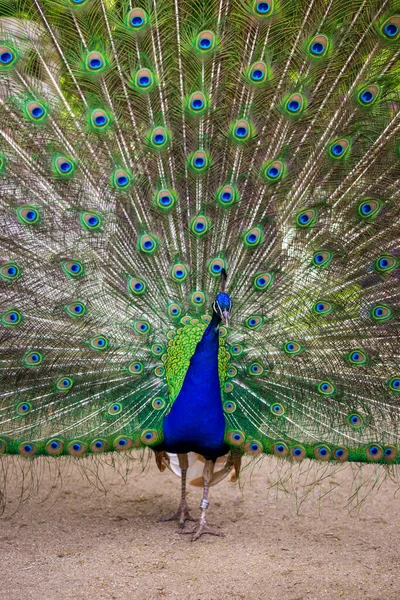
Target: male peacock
(153,153)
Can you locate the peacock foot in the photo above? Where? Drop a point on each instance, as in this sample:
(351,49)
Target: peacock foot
(181,515)
(200,529)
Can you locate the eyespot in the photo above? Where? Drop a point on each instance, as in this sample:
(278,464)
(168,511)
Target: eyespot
(199,161)
(157,349)
(76,3)
(273,171)
(11,317)
(158,138)
(390,453)
(64,384)
(253,237)
(235,438)
(158,403)
(28,215)
(236,350)
(55,447)
(100,120)
(200,225)
(215,266)
(136,286)
(339,148)
(340,454)
(171,334)
(197,103)
(8,56)
(232,371)
(144,80)
(98,446)
(294,104)
(91,220)
(75,309)
(3,446)
(257,74)
(354,420)
(123,442)
(386,263)
(326,388)
(254,322)
(27,449)
(322,258)
(369,209)
(135,367)
(149,437)
(95,62)
(322,453)
(198,298)
(322,308)
(174,310)
(228,387)
(36,111)
(242,131)
(206,319)
(121,179)
(76,448)
(23,408)
(297,453)
(159,371)
(63,166)
(368,95)
(318,46)
(137,19)
(142,327)
(390,29)
(306,218)
(374,452)
(394,384)
(229,406)
(256,369)
(381,313)
(10,271)
(277,409)
(263,9)
(227,195)
(33,358)
(357,358)
(205,41)
(179,272)
(72,268)
(185,321)
(280,449)
(263,281)
(254,448)
(148,243)
(115,408)
(165,200)
(292,348)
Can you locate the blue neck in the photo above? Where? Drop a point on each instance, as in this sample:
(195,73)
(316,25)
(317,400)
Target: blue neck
(196,420)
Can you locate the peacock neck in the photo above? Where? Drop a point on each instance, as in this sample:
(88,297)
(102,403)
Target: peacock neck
(196,420)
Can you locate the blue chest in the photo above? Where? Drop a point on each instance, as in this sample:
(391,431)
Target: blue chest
(196,420)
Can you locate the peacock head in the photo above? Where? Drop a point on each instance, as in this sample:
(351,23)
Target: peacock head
(222,306)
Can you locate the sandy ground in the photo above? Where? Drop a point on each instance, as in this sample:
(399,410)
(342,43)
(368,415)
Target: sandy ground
(82,544)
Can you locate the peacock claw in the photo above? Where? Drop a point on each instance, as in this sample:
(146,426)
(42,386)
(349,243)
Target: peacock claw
(181,515)
(200,529)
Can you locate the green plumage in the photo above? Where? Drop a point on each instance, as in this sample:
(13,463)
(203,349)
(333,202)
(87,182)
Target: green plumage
(145,148)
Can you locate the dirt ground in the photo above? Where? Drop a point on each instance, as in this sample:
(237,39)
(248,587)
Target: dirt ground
(83,544)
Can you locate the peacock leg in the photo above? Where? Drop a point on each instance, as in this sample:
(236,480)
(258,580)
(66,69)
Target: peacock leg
(182,514)
(201,528)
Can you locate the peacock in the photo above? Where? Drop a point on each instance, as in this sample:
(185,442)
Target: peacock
(200,233)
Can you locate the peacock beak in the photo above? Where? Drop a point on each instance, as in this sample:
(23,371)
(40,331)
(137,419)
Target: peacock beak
(225,317)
